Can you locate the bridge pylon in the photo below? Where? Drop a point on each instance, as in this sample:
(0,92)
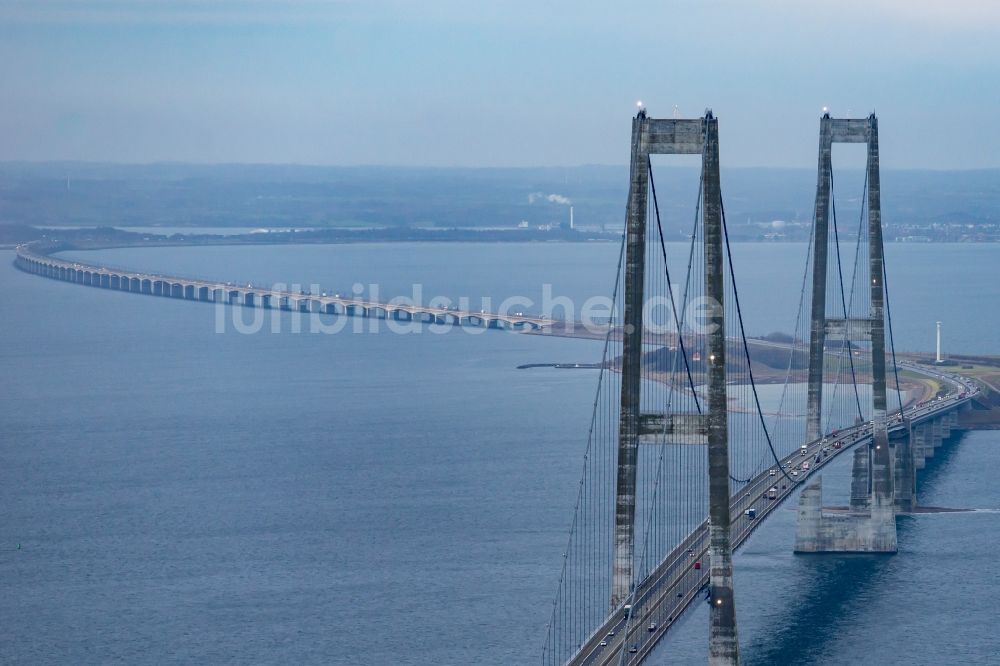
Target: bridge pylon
(677,137)
(874,528)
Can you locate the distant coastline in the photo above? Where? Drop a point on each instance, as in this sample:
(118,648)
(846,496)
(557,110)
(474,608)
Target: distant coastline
(349,204)
(91,238)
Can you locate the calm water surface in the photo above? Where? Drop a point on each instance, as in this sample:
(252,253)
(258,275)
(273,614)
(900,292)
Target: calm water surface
(173,495)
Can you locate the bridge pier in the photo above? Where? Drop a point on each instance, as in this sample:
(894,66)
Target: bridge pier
(817,532)
(907,457)
(945,422)
(904,475)
(860,488)
(937,435)
(940,429)
(922,448)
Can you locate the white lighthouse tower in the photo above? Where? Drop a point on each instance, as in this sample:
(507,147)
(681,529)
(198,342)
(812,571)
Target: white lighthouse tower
(938,358)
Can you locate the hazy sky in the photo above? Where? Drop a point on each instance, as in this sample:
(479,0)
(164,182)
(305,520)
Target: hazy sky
(464,82)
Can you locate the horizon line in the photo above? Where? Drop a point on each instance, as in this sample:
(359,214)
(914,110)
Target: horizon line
(430,167)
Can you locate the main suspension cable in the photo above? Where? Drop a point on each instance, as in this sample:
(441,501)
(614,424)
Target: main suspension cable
(892,341)
(746,347)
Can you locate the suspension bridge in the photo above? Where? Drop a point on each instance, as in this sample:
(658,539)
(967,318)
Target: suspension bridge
(686,454)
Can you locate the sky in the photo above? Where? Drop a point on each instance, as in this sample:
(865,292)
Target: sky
(482,84)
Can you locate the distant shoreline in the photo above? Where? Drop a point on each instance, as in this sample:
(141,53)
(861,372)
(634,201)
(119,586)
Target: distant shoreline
(93,238)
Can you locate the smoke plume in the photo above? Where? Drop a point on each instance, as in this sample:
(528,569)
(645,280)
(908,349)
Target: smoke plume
(552,198)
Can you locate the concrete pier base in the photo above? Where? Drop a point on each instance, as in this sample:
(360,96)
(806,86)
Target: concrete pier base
(816,532)
(860,488)
(922,450)
(945,422)
(904,472)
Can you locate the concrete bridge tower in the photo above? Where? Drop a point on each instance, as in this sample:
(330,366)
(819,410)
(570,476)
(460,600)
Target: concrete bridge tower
(677,137)
(874,528)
